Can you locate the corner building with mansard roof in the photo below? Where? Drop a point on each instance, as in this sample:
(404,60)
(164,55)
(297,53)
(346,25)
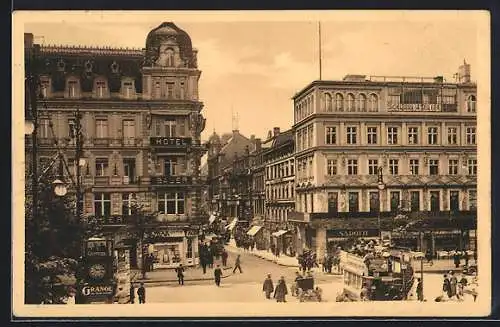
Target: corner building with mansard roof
(141,121)
(420,131)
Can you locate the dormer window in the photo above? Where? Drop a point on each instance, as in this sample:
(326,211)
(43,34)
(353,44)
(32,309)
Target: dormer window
(44,87)
(73,88)
(128,89)
(100,88)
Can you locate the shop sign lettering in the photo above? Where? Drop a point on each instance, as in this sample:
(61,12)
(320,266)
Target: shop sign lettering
(352,233)
(171,141)
(414,106)
(97,290)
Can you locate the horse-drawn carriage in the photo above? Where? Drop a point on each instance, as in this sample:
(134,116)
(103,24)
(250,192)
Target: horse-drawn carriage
(305,290)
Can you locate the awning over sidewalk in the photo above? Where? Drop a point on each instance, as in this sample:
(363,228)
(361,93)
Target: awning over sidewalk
(211,219)
(232,224)
(254,230)
(279,233)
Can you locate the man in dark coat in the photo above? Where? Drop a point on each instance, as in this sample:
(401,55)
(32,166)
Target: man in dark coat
(268,286)
(141,293)
(281,290)
(151,261)
(132,293)
(456,259)
(237,264)
(420,290)
(180,274)
(447,286)
(224,256)
(217,275)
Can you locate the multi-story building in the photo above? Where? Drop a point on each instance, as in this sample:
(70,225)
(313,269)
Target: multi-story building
(278,156)
(141,119)
(229,176)
(257,166)
(420,132)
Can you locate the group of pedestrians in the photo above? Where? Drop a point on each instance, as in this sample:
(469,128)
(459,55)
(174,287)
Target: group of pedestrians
(452,287)
(141,293)
(279,293)
(307,261)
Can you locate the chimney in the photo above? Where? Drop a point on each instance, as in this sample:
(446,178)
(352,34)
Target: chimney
(464,73)
(258,145)
(276,131)
(252,138)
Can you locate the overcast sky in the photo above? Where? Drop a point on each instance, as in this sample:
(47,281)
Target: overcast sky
(254,65)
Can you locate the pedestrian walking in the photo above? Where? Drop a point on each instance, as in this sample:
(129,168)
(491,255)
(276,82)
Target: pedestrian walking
(295,287)
(237,264)
(456,259)
(268,286)
(151,261)
(217,275)
(141,293)
(428,257)
(210,259)
(420,290)
(281,290)
(446,286)
(466,258)
(453,285)
(180,274)
(132,293)
(224,257)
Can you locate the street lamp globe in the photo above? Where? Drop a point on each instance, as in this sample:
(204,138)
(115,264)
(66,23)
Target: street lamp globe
(381,186)
(82,162)
(60,188)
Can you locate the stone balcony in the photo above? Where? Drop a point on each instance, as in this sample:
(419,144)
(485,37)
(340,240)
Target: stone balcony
(399,180)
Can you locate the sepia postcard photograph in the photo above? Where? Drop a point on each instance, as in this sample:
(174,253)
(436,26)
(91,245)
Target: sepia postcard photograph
(251,164)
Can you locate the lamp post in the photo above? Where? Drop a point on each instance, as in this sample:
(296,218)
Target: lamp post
(381,187)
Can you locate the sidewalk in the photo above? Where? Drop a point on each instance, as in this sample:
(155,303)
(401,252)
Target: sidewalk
(169,276)
(439,266)
(282,260)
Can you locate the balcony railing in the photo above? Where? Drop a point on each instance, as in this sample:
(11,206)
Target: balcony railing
(101,141)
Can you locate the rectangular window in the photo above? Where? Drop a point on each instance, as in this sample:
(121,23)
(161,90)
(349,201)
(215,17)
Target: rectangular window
(452,136)
(332,202)
(392,135)
(414,164)
(352,167)
(128,170)
(453,167)
(127,89)
(102,204)
(100,88)
(413,135)
(372,166)
(170,166)
(433,167)
(331,167)
(44,130)
(170,128)
(395,201)
(470,135)
(44,87)
(171,203)
(170,90)
(126,204)
(432,135)
(472,199)
(101,128)
(454,201)
(372,135)
(331,135)
(415,201)
(71,127)
(472,166)
(374,202)
(72,87)
(353,202)
(157,94)
(128,131)
(435,203)
(101,167)
(351,135)
(393,166)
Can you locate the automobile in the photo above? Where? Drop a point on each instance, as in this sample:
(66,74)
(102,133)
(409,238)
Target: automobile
(470,269)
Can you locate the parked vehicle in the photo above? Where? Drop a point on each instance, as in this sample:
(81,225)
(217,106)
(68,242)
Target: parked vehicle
(306,290)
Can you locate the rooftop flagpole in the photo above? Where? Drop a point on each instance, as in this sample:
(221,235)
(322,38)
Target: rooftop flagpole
(320,53)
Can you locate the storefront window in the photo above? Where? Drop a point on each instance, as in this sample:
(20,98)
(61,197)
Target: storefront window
(394,201)
(415,201)
(374,202)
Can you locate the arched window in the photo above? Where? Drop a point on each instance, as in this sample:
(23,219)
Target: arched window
(339,102)
(362,102)
(350,102)
(471,103)
(328,102)
(170,57)
(373,105)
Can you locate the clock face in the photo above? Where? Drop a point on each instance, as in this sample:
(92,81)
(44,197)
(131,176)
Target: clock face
(97,271)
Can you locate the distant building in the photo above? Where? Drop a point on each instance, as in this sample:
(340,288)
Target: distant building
(142,121)
(278,156)
(421,132)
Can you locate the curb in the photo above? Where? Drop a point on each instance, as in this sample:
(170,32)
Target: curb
(150,281)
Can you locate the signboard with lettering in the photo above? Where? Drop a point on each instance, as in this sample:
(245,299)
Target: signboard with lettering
(103,290)
(352,233)
(169,235)
(414,106)
(171,180)
(170,141)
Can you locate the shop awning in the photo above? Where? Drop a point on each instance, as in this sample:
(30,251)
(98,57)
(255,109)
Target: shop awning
(210,236)
(211,219)
(254,230)
(232,224)
(279,233)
